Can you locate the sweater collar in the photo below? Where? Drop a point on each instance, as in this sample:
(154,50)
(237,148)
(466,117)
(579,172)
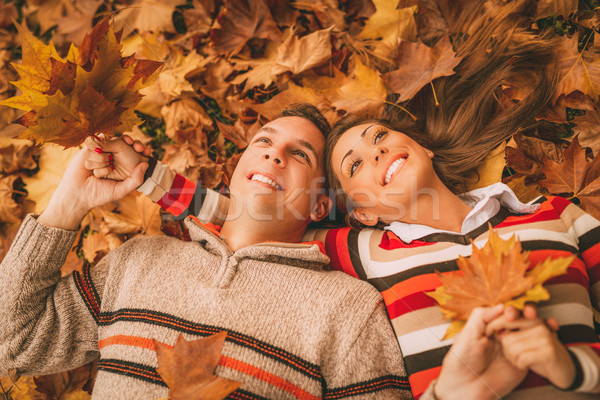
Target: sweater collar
(309,255)
(486,203)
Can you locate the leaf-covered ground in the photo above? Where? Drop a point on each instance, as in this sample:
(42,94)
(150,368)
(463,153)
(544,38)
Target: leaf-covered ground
(231,65)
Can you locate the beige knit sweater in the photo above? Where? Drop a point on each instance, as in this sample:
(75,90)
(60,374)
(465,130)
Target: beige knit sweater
(294,330)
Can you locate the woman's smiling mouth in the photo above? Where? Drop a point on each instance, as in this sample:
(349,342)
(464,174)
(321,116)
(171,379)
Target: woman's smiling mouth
(396,165)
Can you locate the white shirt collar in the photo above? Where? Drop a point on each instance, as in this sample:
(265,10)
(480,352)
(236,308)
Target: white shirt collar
(486,203)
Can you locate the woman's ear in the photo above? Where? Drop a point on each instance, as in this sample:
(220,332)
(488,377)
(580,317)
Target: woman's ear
(429,153)
(321,208)
(365,217)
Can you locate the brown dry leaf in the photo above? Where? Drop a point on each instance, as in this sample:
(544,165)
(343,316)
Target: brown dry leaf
(545,8)
(293,94)
(260,70)
(364,89)
(198,19)
(229,167)
(214,79)
(147,15)
(525,193)
(419,65)
(76,21)
(53,162)
(578,71)
(10,210)
(326,11)
(65,385)
(95,245)
(17,155)
(184,114)
(498,273)
(240,134)
(188,368)
(171,82)
(72,263)
(7,235)
(525,155)
(239,21)
(25,389)
(576,177)
(8,12)
(211,175)
(299,55)
(137,214)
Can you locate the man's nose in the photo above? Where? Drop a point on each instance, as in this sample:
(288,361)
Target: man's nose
(275,157)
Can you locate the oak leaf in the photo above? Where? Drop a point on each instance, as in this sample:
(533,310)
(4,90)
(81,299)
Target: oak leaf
(575,176)
(188,368)
(578,70)
(95,89)
(419,65)
(239,21)
(498,273)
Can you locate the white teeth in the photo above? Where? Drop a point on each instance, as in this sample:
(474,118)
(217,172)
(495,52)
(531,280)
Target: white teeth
(392,169)
(264,179)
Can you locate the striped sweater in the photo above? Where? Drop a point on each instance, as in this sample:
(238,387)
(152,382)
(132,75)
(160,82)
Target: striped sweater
(403,272)
(294,331)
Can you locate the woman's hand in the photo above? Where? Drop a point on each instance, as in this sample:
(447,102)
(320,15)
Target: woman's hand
(114,158)
(529,342)
(80,190)
(475,367)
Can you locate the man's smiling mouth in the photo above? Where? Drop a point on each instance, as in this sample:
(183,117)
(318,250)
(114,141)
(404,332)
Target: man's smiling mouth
(264,179)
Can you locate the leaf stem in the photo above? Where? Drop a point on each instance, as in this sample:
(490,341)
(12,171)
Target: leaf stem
(403,109)
(437,104)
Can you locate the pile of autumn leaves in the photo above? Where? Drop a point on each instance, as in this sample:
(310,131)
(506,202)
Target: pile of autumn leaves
(230,65)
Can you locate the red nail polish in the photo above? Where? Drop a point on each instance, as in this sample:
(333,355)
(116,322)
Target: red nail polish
(97,138)
(110,157)
(112,167)
(98,150)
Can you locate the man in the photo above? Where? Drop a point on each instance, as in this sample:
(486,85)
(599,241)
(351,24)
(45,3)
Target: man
(293,330)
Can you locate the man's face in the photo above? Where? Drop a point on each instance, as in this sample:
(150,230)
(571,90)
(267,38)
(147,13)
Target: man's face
(279,175)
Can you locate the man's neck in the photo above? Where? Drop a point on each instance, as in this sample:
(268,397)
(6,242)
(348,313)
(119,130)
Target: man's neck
(245,231)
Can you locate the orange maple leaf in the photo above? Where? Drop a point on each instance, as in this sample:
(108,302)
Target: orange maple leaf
(188,368)
(575,176)
(94,90)
(498,273)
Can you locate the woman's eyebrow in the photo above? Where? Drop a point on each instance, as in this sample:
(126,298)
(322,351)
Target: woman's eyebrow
(362,135)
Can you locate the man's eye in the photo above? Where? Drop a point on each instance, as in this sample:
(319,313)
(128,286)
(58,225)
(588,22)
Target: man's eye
(302,154)
(264,140)
(378,136)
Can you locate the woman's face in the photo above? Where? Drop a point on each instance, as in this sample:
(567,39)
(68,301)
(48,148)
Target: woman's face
(382,171)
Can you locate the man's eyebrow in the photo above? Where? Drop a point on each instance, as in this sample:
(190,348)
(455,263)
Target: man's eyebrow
(302,142)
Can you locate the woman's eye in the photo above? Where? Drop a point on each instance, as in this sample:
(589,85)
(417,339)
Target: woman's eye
(379,136)
(353,167)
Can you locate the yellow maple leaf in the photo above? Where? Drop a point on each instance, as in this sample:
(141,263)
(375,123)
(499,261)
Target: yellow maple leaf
(94,90)
(498,273)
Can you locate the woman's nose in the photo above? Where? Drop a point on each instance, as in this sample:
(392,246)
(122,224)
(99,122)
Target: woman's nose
(377,153)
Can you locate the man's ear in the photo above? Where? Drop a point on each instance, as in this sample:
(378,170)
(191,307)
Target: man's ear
(321,208)
(365,217)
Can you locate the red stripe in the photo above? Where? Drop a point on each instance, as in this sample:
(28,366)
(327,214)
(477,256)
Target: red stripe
(592,257)
(408,304)
(336,245)
(174,200)
(389,241)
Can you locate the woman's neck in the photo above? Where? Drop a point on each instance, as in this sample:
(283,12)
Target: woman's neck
(438,208)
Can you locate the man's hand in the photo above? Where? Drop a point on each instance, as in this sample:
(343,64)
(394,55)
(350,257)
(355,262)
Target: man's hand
(475,367)
(529,342)
(80,190)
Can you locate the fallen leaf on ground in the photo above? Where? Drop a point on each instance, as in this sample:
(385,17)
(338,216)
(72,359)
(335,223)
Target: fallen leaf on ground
(419,65)
(498,273)
(490,171)
(576,177)
(10,210)
(578,71)
(188,368)
(299,55)
(147,15)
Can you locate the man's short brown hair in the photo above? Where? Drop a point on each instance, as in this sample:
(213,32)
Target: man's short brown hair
(308,112)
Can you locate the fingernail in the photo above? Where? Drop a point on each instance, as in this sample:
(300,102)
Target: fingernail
(110,157)
(98,150)
(112,167)
(97,138)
